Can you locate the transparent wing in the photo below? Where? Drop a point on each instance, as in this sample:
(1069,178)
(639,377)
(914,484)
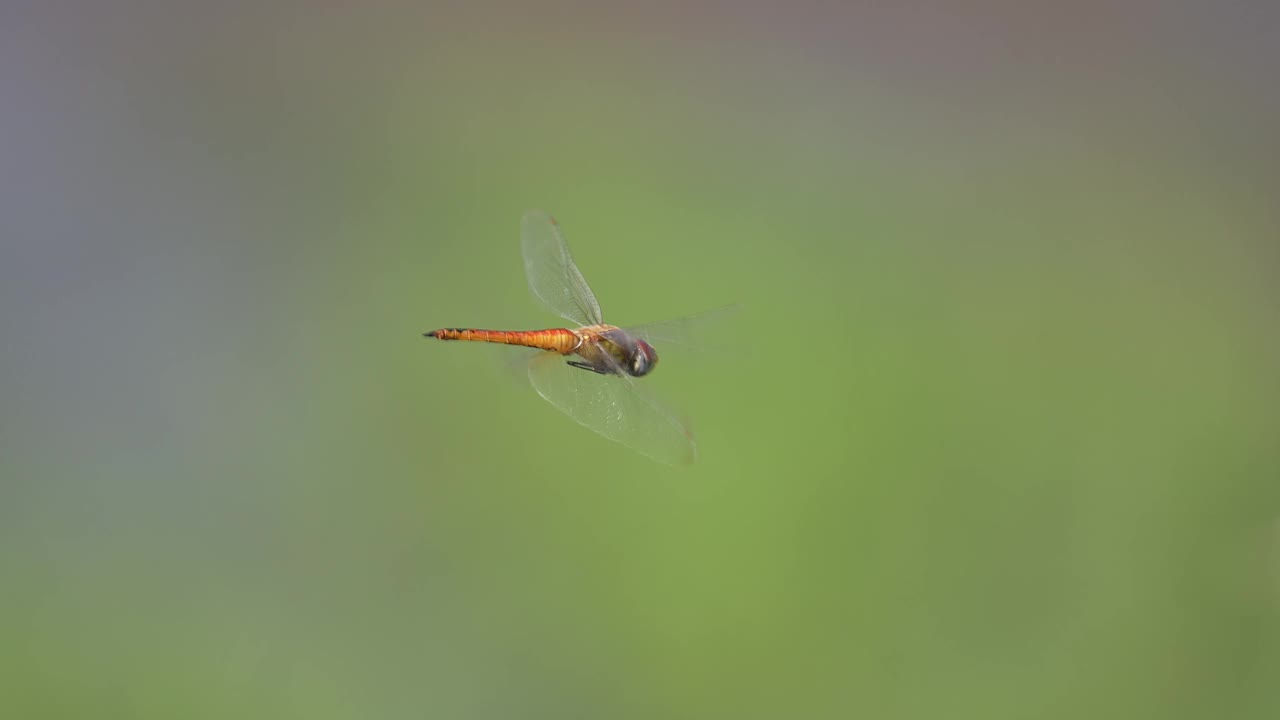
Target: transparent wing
(616,407)
(553,276)
(707,331)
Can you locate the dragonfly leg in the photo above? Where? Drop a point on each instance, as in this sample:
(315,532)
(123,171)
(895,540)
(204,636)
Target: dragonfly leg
(587,366)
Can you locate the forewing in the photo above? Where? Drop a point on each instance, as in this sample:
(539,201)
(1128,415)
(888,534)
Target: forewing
(553,276)
(710,331)
(616,407)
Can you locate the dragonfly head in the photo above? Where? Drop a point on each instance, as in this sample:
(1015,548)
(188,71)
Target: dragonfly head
(642,359)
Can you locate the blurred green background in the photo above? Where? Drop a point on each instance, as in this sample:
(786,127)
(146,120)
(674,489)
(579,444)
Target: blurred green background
(996,438)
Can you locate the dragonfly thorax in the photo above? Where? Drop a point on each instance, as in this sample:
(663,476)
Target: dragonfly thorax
(611,351)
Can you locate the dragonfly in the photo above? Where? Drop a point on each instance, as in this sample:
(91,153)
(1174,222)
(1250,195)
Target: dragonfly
(591,371)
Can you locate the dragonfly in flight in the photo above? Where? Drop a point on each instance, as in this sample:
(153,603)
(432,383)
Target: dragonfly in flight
(591,371)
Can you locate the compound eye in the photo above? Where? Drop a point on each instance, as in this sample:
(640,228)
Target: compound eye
(643,358)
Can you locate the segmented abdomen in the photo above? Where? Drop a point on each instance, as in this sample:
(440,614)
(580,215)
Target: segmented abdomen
(558,339)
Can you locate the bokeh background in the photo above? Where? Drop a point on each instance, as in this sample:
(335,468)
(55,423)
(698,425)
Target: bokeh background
(995,435)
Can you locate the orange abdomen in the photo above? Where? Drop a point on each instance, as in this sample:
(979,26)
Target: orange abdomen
(558,339)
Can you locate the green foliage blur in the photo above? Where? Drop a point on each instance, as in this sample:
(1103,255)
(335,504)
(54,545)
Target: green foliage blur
(994,434)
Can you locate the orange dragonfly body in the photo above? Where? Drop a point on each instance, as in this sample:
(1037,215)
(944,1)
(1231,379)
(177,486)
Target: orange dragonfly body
(597,386)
